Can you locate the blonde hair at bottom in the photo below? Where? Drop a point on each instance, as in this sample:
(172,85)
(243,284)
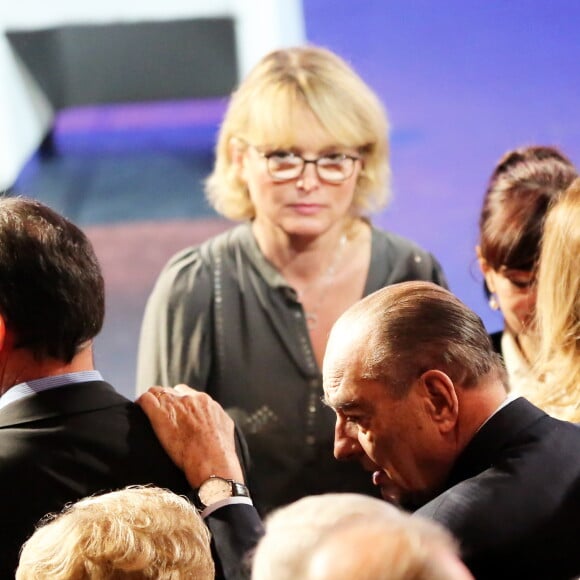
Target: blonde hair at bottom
(137,532)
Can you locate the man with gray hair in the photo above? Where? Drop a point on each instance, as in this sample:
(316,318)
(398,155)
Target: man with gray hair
(293,531)
(339,536)
(380,548)
(420,401)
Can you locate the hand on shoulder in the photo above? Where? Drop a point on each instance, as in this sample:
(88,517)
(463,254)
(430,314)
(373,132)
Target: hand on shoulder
(195,431)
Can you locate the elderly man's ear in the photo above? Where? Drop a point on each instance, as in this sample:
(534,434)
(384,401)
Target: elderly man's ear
(441,399)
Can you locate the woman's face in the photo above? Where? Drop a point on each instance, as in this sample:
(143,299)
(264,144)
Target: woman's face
(516,295)
(307,205)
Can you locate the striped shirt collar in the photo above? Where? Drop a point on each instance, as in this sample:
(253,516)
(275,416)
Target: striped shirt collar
(29,388)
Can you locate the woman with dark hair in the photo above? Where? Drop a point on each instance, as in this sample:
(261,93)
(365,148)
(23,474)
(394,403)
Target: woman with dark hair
(521,188)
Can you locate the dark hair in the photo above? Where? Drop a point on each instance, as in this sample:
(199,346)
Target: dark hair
(51,286)
(417,326)
(522,186)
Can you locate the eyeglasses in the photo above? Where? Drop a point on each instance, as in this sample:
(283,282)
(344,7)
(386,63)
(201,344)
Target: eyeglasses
(285,165)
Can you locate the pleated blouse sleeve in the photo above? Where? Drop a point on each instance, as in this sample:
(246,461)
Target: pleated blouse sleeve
(175,344)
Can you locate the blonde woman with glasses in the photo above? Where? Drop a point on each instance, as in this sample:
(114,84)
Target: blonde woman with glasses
(301,160)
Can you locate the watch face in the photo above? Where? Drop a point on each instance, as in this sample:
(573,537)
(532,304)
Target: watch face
(214,489)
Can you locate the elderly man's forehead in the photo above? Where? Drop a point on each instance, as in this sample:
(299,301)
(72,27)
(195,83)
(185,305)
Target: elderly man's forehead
(348,337)
(345,399)
(345,353)
(350,331)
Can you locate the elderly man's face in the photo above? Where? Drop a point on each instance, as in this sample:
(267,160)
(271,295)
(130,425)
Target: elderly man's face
(394,438)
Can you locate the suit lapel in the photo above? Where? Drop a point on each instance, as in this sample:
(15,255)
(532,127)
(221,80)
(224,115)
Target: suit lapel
(70,399)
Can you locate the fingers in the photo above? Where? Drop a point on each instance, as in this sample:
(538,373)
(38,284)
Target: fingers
(194,430)
(185,410)
(180,389)
(158,404)
(184,390)
(150,400)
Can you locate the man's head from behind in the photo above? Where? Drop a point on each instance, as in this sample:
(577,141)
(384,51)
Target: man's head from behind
(293,530)
(379,548)
(51,286)
(137,532)
(347,535)
(411,375)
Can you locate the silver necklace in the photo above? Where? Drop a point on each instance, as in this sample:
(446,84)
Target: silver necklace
(327,277)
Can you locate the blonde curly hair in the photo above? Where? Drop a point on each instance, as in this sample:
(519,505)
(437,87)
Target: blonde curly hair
(134,533)
(263,110)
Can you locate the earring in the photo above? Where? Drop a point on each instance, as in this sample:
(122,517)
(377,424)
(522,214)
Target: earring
(493,303)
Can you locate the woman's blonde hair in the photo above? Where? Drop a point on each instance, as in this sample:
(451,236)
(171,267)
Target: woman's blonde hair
(558,309)
(263,110)
(135,533)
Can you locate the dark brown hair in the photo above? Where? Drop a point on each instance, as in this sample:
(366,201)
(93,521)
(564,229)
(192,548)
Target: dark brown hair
(51,286)
(522,186)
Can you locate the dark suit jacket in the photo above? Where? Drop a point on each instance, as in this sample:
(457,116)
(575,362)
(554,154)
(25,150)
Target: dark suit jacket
(513,497)
(61,445)
(235,530)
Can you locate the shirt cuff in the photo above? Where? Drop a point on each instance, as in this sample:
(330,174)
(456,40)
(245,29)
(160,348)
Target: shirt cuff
(224,502)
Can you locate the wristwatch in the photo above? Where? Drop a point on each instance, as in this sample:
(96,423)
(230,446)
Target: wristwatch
(216,489)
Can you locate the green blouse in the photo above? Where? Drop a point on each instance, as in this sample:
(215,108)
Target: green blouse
(222,319)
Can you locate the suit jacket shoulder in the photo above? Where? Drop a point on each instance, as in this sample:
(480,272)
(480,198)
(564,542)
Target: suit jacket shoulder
(64,444)
(235,529)
(513,498)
